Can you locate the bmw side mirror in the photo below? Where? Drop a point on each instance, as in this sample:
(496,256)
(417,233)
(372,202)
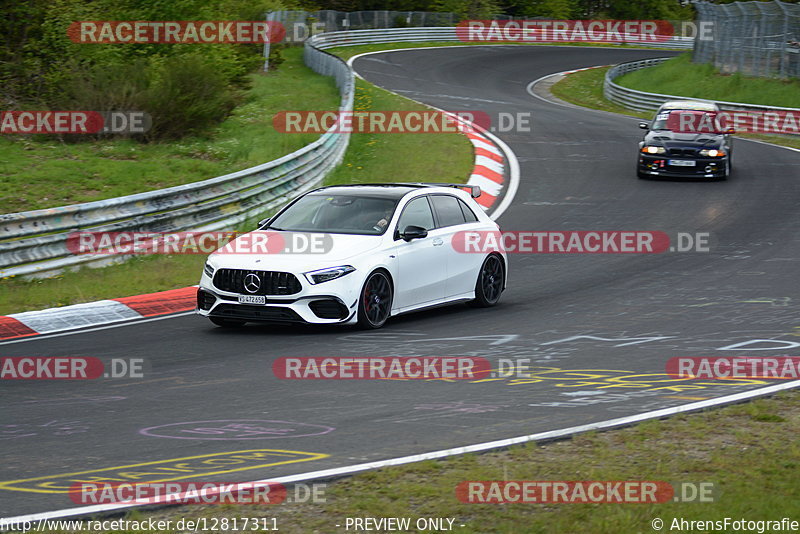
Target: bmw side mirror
(413,232)
(643,125)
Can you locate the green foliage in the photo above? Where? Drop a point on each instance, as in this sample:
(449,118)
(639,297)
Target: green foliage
(41,67)
(468,9)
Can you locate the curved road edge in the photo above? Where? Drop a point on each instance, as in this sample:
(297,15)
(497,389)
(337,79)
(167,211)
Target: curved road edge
(546,96)
(338,472)
(495,170)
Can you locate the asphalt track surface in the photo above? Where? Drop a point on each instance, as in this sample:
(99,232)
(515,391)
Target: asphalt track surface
(632,311)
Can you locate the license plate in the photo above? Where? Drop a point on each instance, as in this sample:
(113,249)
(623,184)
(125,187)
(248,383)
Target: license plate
(682,162)
(252,299)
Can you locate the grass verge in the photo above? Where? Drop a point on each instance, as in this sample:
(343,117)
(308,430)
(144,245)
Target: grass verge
(70,173)
(742,450)
(585,88)
(400,157)
(139,275)
(369,158)
(679,76)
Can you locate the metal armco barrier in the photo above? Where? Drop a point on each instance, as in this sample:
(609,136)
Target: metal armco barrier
(642,101)
(443,34)
(33,243)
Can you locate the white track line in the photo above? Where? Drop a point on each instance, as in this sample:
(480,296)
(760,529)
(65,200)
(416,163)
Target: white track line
(127,322)
(480,447)
(434,455)
(513,164)
(530,86)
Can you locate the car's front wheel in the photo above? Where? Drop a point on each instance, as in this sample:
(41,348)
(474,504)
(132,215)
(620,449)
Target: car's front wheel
(727,170)
(226,323)
(375,302)
(491,280)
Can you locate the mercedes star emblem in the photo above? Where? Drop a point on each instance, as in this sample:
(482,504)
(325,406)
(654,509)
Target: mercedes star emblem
(252,283)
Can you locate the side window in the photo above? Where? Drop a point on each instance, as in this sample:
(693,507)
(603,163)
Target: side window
(469,215)
(447,210)
(416,213)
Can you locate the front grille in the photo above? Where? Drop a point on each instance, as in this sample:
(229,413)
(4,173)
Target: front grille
(257,313)
(328,309)
(682,152)
(271,282)
(205,300)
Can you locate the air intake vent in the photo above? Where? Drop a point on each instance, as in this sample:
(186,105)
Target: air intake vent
(328,309)
(205,300)
(260,283)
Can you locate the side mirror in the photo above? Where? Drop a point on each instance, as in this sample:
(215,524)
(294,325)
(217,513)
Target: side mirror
(644,126)
(413,232)
(262,222)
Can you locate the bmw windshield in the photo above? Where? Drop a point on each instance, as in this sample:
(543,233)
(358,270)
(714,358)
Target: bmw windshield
(689,121)
(336,214)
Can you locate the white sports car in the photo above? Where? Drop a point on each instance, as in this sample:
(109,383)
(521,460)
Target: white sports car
(388,250)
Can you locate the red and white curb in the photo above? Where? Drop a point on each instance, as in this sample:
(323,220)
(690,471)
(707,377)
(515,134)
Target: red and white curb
(102,312)
(487,173)
(496,168)
(489,170)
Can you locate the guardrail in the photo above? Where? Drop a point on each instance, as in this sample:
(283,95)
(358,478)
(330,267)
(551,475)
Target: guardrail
(406,35)
(34,243)
(643,101)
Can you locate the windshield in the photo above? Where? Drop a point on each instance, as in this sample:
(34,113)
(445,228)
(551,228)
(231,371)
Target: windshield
(337,214)
(689,121)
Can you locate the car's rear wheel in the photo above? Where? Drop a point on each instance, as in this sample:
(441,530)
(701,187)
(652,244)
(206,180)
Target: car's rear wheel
(491,280)
(375,301)
(226,323)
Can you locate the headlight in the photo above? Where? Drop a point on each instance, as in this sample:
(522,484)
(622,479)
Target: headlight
(653,150)
(712,152)
(209,270)
(331,273)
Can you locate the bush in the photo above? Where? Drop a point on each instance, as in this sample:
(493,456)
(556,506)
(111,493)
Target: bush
(186,89)
(184,95)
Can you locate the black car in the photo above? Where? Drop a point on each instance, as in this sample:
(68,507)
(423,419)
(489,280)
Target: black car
(685,140)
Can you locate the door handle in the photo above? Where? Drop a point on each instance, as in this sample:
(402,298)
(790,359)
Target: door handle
(438,242)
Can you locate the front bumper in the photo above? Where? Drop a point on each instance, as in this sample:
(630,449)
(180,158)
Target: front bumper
(658,165)
(332,302)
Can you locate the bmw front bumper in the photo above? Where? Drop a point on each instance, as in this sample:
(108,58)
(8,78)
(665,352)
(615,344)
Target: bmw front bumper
(659,165)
